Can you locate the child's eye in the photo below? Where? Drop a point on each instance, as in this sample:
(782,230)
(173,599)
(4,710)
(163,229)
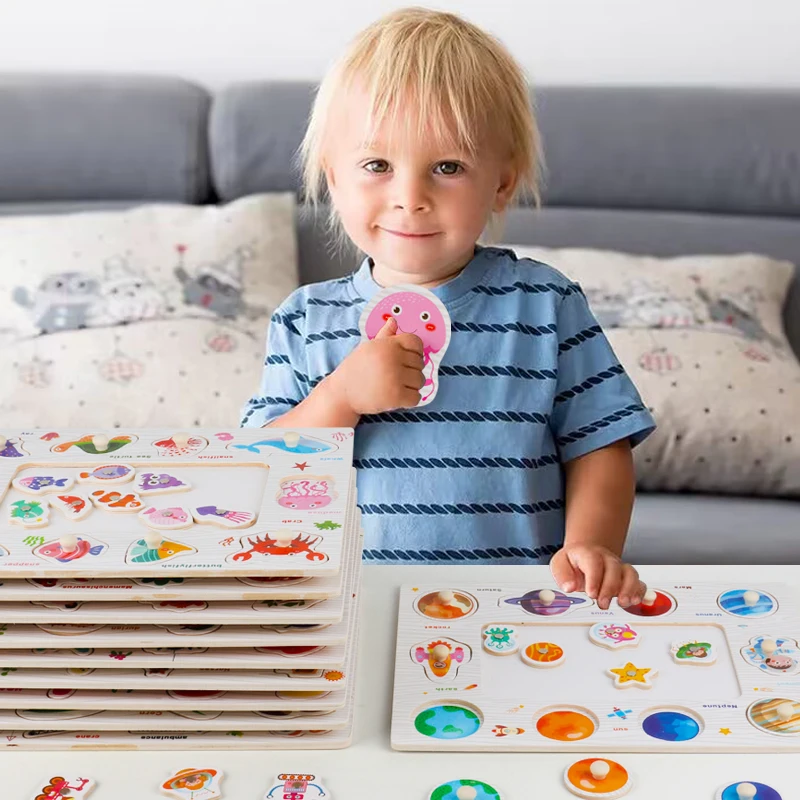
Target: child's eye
(448,168)
(378,166)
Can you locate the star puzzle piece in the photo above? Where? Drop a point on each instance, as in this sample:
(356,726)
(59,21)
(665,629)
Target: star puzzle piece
(631,675)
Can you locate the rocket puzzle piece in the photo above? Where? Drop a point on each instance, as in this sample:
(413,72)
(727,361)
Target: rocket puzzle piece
(440,658)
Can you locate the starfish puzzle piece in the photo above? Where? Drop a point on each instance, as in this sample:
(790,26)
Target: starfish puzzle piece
(631,675)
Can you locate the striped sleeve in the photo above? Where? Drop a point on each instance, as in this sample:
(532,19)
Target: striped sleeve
(284,381)
(596,403)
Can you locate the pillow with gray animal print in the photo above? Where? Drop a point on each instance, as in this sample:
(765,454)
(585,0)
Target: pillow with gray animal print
(702,338)
(146,317)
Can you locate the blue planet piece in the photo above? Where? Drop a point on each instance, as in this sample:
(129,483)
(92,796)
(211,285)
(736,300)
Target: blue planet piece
(303,446)
(447,722)
(733,602)
(763,792)
(448,791)
(531,603)
(671,726)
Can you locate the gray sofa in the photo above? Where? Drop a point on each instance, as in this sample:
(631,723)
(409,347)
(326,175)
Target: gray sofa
(659,171)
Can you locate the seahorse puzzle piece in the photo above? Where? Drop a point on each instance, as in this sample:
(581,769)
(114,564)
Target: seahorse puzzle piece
(194,784)
(112,500)
(166,519)
(29,513)
(43,484)
(224,518)
(416,311)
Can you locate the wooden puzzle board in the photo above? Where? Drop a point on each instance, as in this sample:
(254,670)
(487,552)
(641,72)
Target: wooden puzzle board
(289,488)
(748,699)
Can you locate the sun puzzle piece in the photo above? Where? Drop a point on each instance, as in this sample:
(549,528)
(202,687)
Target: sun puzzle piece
(631,675)
(151,483)
(74,507)
(297,786)
(112,500)
(747,791)
(283,543)
(547,602)
(29,513)
(500,640)
(440,658)
(597,778)
(773,655)
(166,519)
(465,789)
(65,789)
(70,548)
(222,517)
(108,474)
(194,784)
(42,484)
(543,654)
(693,652)
(153,548)
(614,635)
(307,493)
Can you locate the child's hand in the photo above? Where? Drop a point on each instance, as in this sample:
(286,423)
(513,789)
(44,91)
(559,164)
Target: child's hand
(383,373)
(599,572)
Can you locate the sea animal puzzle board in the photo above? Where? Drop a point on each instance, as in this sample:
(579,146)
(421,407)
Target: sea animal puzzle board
(695,668)
(139,504)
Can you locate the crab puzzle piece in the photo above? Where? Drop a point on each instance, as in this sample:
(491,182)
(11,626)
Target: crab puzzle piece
(283,543)
(440,658)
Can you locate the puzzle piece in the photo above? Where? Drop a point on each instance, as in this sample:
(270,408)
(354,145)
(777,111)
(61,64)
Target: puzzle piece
(29,513)
(65,789)
(152,483)
(440,658)
(111,500)
(166,519)
(42,484)
(74,507)
(108,474)
(194,784)
(213,515)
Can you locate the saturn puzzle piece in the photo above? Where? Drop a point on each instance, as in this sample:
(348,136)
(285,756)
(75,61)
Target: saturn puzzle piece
(194,784)
(631,675)
(416,311)
(775,656)
(440,658)
(614,635)
(42,484)
(547,602)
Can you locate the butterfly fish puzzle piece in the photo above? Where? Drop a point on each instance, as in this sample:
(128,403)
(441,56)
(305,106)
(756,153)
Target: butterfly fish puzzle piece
(70,548)
(224,518)
(166,519)
(29,513)
(108,474)
(416,311)
(152,548)
(42,484)
(59,788)
(297,786)
(194,784)
(73,506)
(150,483)
(112,500)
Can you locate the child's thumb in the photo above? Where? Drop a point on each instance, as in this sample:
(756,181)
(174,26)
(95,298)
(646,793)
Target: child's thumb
(389,329)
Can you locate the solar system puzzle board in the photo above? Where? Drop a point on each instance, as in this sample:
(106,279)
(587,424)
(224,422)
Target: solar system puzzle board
(148,503)
(696,668)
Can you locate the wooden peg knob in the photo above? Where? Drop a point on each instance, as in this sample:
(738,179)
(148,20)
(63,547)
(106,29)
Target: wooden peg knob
(284,538)
(3,441)
(467,793)
(746,791)
(751,597)
(100,442)
(785,711)
(768,646)
(153,539)
(291,439)
(446,597)
(440,652)
(546,597)
(649,598)
(181,439)
(599,769)
(68,542)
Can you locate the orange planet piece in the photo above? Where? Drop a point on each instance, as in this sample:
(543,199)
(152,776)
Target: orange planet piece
(581,778)
(544,652)
(565,726)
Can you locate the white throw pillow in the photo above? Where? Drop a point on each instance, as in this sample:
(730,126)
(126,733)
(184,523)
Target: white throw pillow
(702,338)
(154,316)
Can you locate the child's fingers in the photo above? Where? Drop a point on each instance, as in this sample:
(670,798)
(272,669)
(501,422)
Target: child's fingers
(612,580)
(565,575)
(389,329)
(410,342)
(592,565)
(632,588)
(413,360)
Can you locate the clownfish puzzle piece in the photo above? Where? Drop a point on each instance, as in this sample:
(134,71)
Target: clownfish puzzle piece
(614,636)
(416,311)
(440,658)
(631,675)
(194,784)
(65,789)
(297,786)
(112,500)
(108,474)
(42,484)
(597,778)
(29,513)
(166,519)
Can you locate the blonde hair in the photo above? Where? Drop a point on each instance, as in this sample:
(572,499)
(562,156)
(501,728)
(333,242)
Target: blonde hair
(462,80)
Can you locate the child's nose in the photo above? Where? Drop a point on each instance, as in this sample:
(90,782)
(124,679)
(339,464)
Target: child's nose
(411,195)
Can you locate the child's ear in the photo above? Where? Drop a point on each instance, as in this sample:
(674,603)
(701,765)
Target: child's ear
(509,178)
(327,171)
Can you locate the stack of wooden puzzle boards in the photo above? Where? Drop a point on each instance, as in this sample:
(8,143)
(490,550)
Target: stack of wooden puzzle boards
(178,590)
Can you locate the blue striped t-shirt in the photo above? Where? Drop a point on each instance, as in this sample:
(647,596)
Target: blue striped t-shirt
(528,382)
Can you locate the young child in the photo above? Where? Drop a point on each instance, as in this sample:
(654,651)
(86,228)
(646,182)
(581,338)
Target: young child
(423,134)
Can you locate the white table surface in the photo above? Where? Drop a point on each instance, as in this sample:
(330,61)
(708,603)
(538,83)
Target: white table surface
(370,770)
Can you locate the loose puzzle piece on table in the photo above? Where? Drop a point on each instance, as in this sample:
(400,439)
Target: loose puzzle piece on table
(59,788)
(194,784)
(297,786)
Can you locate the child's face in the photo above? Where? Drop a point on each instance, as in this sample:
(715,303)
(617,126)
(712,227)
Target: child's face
(416,206)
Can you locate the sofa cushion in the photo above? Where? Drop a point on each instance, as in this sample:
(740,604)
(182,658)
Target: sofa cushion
(148,317)
(702,337)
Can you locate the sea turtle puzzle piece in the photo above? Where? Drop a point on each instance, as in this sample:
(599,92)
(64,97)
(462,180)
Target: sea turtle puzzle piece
(118,502)
(29,513)
(194,784)
(631,675)
(774,655)
(440,658)
(547,602)
(614,635)
(153,548)
(70,548)
(152,483)
(417,311)
(73,506)
(59,788)
(597,778)
(97,444)
(166,519)
(222,517)
(297,786)
(43,484)
(307,493)
(108,474)
(500,640)
(693,652)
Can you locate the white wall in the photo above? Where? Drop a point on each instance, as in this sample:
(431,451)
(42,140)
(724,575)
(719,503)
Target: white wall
(712,42)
